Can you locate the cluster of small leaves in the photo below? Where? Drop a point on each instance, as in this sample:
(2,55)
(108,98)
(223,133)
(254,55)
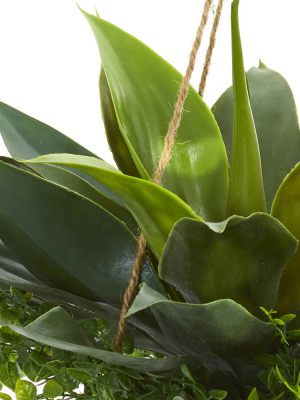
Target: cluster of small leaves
(281,374)
(25,364)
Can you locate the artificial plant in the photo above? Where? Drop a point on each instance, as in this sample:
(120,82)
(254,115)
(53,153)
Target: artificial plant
(222,242)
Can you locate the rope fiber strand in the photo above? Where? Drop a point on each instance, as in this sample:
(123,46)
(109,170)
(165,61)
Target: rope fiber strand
(165,157)
(211,47)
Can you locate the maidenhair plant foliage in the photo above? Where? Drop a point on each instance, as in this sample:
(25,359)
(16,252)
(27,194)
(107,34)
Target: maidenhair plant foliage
(222,231)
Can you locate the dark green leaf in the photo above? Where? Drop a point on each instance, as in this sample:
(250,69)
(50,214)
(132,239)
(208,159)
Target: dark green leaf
(183,324)
(31,370)
(19,296)
(241,259)
(58,329)
(9,374)
(89,326)
(52,390)
(79,185)
(276,121)
(80,376)
(198,171)
(92,243)
(155,209)
(38,358)
(25,390)
(114,136)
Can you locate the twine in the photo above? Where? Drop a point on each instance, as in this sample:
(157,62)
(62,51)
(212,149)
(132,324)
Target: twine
(165,157)
(210,49)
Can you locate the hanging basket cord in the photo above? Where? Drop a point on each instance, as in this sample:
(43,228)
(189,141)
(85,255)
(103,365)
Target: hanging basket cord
(165,157)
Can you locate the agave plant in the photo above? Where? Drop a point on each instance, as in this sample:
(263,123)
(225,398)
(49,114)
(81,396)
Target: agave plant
(222,247)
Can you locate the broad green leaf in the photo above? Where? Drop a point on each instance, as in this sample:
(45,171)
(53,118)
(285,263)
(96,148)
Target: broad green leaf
(137,326)
(155,209)
(78,375)
(114,136)
(211,332)
(144,89)
(9,373)
(276,121)
(26,137)
(246,190)
(25,390)
(52,389)
(241,259)
(58,329)
(79,185)
(286,208)
(66,240)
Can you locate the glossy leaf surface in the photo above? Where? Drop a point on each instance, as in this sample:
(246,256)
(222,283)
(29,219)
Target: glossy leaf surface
(286,208)
(114,136)
(246,190)
(242,259)
(79,185)
(214,332)
(25,390)
(155,209)
(66,240)
(58,329)
(144,89)
(276,121)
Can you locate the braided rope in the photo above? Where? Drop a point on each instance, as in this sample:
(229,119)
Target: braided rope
(165,157)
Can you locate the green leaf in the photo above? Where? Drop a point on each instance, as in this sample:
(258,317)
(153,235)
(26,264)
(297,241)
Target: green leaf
(253,395)
(286,209)
(31,370)
(114,136)
(246,190)
(26,137)
(89,326)
(288,317)
(38,358)
(267,360)
(92,243)
(198,170)
(155,209)
(58,329)
(25,390)
(218,394)
(12,314)
(4,396)
(240,259)
(52,390)
(276,123)
(228,329)
(80,376)
(9,374)
(19,296)
(295,335)
(128,343)
(79,185)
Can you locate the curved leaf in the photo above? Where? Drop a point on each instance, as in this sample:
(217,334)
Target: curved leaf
(242,260)
(246,190)
(81,186)
(25,390)
(58,329)
(143,89)
(114,136)
(286,208)
(66,240)
(276,121)
(155,209)
(214,333)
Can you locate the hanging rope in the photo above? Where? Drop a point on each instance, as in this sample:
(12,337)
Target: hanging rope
(165,157)
(210,49)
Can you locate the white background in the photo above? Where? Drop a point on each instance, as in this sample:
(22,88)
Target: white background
(49,62)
